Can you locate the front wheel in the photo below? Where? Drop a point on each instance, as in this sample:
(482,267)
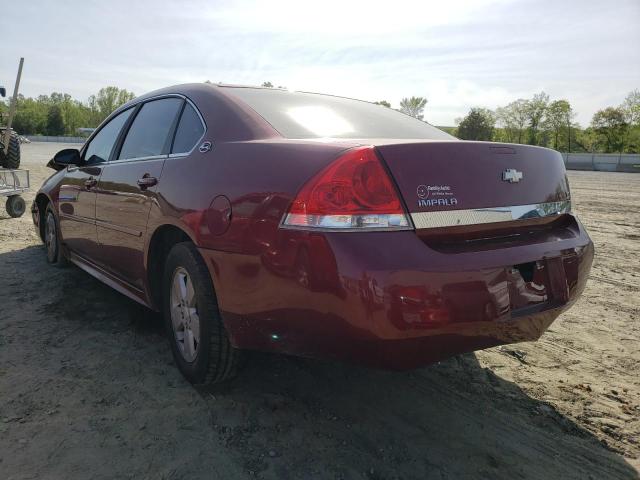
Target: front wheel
(199,341)
(52,244)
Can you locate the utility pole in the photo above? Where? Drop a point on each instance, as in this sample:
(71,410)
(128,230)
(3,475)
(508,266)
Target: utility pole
(12,107)
(569,130)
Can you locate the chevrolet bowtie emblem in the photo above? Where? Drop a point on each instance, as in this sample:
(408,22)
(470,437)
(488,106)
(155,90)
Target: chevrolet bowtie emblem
(511,175)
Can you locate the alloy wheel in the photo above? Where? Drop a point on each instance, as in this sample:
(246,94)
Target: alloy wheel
(51,237)
(184,314)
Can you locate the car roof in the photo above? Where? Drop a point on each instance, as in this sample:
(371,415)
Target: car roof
(225,89)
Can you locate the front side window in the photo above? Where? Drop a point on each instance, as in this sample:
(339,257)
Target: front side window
(101,145)
(190,130)
(149,132)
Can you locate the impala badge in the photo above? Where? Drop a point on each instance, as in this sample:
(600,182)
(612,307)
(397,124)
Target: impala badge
(511,175)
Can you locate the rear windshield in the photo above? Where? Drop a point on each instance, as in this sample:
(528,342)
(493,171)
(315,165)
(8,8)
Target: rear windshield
(311,115)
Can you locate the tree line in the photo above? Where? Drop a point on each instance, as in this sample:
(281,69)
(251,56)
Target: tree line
(535,121)
(545,122)
(60,114)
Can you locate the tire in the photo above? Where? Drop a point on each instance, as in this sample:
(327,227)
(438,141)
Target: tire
(12,158)
(199,342)
(53,246)
(15,206)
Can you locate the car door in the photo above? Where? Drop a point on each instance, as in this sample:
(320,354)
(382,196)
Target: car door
(127,188)
(77,196)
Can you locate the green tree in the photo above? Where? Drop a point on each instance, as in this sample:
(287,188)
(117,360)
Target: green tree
(585,140)
(535,110)
(477,125)
(632,145)
(31,116)
(46,113)
(513,120)
(610,124)
(75,114)
(631,108)
(558,122)
(384,103)
(413,106)
(108,99)
(55,121)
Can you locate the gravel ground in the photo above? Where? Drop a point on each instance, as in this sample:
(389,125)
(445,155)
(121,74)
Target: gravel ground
(88,388)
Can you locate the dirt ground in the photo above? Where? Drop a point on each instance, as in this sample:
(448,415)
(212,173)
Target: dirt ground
(88,388)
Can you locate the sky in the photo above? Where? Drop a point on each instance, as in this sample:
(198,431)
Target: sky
(457,53)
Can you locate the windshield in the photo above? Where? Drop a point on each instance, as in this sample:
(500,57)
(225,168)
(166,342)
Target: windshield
(312,115)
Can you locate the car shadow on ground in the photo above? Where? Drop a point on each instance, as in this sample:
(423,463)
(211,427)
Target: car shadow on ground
(283,417)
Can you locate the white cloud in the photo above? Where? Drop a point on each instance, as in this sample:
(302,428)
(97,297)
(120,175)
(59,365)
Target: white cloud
(344,18)
(456,53)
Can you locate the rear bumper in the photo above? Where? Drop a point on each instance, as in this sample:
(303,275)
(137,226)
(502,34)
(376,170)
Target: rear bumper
(386,299)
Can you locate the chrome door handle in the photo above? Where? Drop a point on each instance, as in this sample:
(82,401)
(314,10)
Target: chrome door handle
(147,181)
(90,182)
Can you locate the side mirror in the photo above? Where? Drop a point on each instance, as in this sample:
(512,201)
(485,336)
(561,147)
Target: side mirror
(64,158)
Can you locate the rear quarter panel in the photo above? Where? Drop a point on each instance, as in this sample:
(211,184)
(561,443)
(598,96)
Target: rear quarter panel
(259,179)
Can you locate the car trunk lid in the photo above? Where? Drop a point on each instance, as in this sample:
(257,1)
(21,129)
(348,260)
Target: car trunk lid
(439,176)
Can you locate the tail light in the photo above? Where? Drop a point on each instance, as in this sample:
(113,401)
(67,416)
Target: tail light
(354,192)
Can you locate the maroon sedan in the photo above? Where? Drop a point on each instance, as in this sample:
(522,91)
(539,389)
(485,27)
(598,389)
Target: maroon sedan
(314,225)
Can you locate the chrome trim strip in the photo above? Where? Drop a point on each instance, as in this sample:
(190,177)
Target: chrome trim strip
(134,103)
(136,159)
(476,216)
(103,224)
(204,133)
(118,228)
(284,226)
(77,218)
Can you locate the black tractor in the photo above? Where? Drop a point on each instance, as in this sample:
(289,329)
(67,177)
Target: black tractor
(10,159)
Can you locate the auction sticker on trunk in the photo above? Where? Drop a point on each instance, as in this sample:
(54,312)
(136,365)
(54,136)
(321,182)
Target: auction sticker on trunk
(436,195)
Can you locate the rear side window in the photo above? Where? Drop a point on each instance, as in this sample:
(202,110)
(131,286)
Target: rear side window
(190,130)
(100,146)
(311,115)
(149,132)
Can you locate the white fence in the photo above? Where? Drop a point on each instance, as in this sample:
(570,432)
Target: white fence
(603,162)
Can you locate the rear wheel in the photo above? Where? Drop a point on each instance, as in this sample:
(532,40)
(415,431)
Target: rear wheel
(15,206)
(199,342)
(12,158)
